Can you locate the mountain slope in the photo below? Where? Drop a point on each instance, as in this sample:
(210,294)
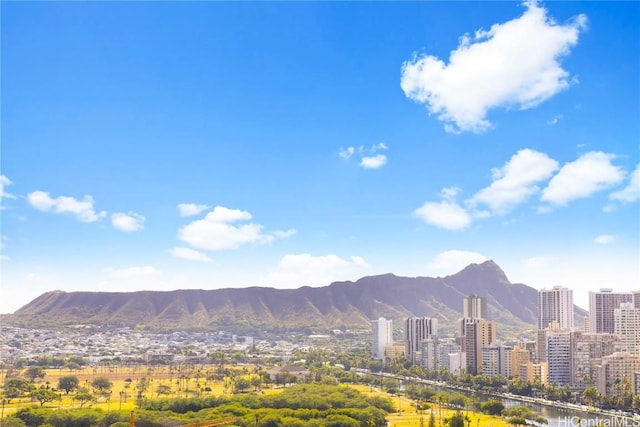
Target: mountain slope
(350,304)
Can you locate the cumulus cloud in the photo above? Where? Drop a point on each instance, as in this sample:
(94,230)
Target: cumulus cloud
(220,230)
(521,178)
(631,192)
(513,64)
(190,254)
(446,213)
(370,157)
(590,173)
(191,209)
(516,181)
(373,162)
(604,239)
(82,209)
(127,221)
(295,270)
(450,262)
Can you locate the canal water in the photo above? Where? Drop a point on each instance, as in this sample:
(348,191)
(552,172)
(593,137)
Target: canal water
(558,416)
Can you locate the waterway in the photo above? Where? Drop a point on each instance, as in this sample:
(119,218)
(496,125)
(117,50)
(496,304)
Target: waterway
(557,415)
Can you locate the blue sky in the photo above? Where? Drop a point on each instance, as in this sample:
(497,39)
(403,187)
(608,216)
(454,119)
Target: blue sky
(162,145)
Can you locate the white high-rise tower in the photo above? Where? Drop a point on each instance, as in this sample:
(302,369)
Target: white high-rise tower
(555,305)
(382,336)
(475,307)
(627,327)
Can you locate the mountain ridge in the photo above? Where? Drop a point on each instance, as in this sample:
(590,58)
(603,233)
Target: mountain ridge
(339,304)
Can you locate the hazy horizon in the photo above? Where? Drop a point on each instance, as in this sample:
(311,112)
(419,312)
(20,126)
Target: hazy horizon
(164,146)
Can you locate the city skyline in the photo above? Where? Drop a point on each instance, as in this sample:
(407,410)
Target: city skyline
(209,145)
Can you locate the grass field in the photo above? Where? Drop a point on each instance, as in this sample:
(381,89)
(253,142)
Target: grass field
(127,383)
(407,414)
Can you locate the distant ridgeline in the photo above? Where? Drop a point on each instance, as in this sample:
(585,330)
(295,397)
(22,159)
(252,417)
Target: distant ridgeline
(339,305)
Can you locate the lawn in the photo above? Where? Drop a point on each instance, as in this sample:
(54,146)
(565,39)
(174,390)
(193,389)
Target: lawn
(173,382)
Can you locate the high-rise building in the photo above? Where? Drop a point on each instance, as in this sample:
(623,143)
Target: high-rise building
(587,351)
(615,369)
(555,305)
(559,357)
(627,327)
(475,307)
(418,329)
(478,334)
(636,299)
(601,306)
(382,336)
(542,339)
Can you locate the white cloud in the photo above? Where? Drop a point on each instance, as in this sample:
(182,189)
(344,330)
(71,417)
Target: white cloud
(373,162)
(295,270)
(5,182)
(190,254)
(132,272)
(4,258)
(631,192)
(512,64)
(82,209)
(370,158)
(604,239)
(516,180)
(222,214)
(590,173)
(450,262)
(444,214)
(191,209)
(127,221)
(519,179)
(346,153)
(218,231)
(447,213)
(283,234)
